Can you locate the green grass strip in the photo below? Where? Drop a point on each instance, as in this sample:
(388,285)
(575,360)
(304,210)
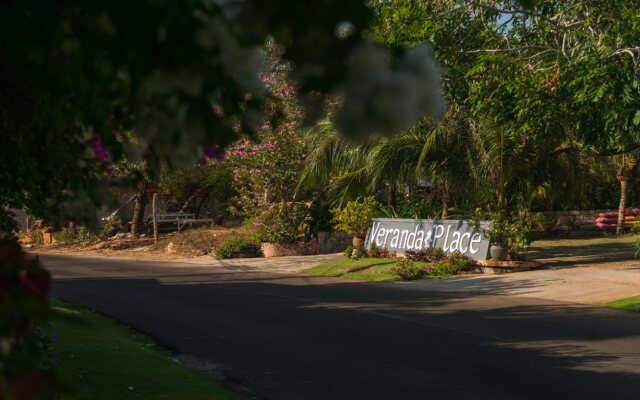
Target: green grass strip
(631,303)
(112,361)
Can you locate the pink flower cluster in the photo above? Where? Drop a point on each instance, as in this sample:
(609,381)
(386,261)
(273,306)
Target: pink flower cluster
(278,87)
(213,152)
(99,151)
(239,153)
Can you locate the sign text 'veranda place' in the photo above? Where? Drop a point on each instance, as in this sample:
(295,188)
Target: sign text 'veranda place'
(400,235)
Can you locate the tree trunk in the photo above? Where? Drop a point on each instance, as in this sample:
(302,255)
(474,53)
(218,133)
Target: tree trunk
(445,205)
(624,183)
(138,210)
(391,203)
(135,217)
(445,202)
(191,198)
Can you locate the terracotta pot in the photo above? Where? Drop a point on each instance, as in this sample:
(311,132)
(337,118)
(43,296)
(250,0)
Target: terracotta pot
(357,241)
(498,252)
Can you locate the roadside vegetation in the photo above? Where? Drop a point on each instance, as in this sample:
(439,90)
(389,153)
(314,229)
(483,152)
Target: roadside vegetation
(110,361)
(376,264)
(631,304)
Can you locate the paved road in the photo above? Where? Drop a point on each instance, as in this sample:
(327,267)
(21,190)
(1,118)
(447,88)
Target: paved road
(297,337)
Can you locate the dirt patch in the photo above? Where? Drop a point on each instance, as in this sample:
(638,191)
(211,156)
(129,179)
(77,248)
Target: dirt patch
(171,246)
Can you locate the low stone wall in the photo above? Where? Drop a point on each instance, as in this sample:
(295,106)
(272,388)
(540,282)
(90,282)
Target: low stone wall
(288,249)
(333,242)
(574,222)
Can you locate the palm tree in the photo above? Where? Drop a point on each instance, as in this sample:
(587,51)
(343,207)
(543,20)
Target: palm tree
(438,153)
(626,164)
(463,160)
(336,160)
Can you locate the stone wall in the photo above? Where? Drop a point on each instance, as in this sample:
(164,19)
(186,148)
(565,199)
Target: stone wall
(334,242)
(574,222)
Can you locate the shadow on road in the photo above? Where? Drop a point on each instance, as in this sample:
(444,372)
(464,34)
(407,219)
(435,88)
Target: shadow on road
(586,254)
(311,338)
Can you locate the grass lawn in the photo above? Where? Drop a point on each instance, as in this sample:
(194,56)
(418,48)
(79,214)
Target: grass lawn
(586,242)
(112,361)
(631,303)
(368,269)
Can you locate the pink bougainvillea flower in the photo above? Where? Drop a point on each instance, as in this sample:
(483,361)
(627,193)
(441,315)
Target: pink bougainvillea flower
(214,152)
(100,152)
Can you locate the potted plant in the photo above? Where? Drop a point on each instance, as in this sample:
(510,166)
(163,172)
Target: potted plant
(507,237)
(497,235)
(355,218)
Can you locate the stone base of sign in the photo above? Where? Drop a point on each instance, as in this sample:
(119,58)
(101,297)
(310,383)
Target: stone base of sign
(288,249)
(503,267)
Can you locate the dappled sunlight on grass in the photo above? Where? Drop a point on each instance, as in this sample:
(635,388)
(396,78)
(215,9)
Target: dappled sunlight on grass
(631,303)
(112,361)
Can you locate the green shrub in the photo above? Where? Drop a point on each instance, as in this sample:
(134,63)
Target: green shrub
(637,255)
(110,227)
(377,252)
(348,251)
(355,218)
(232,244)
(355,252)
(544,222)
(453,264)
(283,223)
(430,254)
(36,236)
(407,270)
(75,235)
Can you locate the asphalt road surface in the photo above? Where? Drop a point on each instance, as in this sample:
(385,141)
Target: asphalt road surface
(298,337)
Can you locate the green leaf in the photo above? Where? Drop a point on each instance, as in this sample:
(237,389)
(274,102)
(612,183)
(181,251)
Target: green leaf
(636,118)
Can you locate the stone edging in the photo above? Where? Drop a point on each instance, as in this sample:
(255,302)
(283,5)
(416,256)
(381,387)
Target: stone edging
(502,267)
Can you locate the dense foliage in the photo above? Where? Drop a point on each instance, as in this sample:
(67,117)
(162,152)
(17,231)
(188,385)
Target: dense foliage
(355,217)
(283,223)
(521,129)
(444,265)
(233,244)
(183,76)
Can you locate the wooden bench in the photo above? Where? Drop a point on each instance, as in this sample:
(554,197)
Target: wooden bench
(194,222)
(180,220)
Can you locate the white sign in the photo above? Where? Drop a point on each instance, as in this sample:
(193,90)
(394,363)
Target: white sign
(400,235)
